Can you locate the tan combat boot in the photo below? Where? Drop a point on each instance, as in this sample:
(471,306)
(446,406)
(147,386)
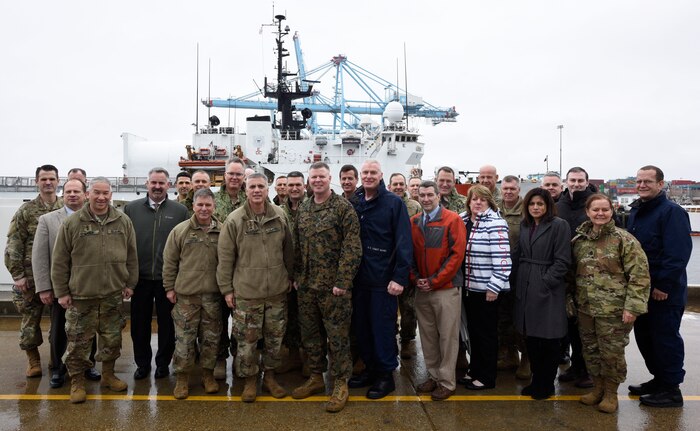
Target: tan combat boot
(313,385)
(34,366)
(291,363)
(339,397)
(596,395)
(209,382)
(220,369)
(271,385)
(609,403)
(109,379)
(182,389)
(250,390)
(77,388)
(523,372)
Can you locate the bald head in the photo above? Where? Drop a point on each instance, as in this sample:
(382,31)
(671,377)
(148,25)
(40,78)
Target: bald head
(488,177)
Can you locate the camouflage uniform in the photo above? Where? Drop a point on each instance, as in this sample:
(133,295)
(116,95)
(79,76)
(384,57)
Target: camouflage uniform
(454,202)
(612,275)
(256,259)
(18,260)
(328,254)
(189,268)
(188,202)
(82,321)
(93,260)
(407,299)
(224,207)
(507,336)
(255,319)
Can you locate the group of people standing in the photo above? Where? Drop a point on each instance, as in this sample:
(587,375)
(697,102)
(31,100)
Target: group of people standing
(323,275)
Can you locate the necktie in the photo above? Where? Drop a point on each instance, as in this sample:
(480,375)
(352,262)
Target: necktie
(427,220)
(155,207)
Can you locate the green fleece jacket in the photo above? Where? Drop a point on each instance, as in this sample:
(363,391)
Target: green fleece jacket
(256,257)
(93,258)
(190,258)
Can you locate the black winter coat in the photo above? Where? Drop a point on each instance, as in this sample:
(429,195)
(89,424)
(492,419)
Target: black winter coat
(540,295)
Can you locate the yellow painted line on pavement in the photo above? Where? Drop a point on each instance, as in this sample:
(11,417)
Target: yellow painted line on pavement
(225,398)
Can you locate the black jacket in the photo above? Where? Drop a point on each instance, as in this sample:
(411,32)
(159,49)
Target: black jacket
(152,229)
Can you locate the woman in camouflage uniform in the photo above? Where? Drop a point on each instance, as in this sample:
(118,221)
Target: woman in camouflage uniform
(612,287)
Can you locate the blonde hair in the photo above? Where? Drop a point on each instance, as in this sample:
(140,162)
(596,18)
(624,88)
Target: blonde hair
(482,192)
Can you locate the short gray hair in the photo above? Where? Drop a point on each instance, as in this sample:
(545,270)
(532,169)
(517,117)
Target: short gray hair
(159,170)
(203,193)
(258,175)
(100,180)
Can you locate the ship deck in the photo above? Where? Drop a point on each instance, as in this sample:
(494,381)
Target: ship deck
(29,404)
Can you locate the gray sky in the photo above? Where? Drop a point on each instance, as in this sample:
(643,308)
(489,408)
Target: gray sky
(621,76)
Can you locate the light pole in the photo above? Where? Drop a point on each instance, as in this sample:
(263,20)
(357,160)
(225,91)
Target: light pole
(560,127)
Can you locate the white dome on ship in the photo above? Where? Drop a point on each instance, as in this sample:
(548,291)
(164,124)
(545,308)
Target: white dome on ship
(393,112)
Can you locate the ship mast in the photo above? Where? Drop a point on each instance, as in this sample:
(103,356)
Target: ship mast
(284,93)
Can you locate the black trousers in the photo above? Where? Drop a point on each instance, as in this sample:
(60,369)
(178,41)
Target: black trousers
(577,362)
(146,293)
(482,323)
(57,337)
(659,340)
(544,362)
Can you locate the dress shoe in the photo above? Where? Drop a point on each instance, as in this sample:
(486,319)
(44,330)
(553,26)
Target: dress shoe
(475,385)
(666,398)
(57,379)
(542,393)
(141,373)
(162,371)
(441,393)
(427,386)
(362,380)
(645,388)
(464,379)
(585,382)
(569,375)
(382,387)
(527,390)
(93,374)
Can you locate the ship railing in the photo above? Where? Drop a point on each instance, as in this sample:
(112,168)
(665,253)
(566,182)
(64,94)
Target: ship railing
(122,184)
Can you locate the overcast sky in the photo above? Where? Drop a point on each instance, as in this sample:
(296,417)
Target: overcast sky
(621,76)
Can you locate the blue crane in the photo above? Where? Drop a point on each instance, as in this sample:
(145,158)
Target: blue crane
(346,113)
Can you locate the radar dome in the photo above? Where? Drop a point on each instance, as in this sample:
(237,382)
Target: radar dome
(393,112)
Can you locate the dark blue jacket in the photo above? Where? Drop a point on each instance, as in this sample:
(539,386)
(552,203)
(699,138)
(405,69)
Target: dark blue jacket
(663,229)
(387,248)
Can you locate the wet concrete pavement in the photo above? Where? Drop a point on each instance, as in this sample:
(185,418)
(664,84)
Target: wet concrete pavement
(29,404)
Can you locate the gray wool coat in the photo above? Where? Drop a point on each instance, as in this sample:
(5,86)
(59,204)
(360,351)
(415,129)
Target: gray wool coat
(540,293)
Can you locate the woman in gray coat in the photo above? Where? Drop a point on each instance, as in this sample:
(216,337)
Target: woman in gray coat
(543,258)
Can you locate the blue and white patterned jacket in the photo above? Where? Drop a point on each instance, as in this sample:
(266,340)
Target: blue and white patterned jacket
(487,262)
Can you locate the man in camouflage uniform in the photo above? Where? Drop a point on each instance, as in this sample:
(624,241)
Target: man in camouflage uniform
(189,280)
(612,289)
(511,209)
(281,190)
(230,197)
(413,186)
(95,267)
(348,181)
(407,299)
(453,201)
(328,253)
(183,184)
(292,336)
(18,260)
(200,180)
(488,177)
(449,198)
(256,262)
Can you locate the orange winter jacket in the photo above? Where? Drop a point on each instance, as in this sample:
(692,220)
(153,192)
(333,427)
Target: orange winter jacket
(438,249)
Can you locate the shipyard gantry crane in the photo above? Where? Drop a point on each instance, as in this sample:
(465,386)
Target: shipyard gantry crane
(346,113)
